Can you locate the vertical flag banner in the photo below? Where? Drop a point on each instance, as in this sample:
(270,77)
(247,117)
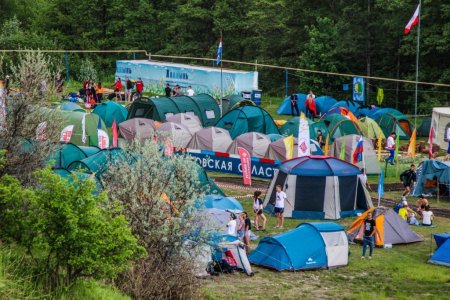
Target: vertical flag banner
(379,144)
(115,134)
(358,89)
(358,153)
(289,145)
(168,147)
(244,155)
(103,138)
(219,52)
(412,145)
(380,96)
(83,127)
(342,152)
(413,21)
(380,187)
(66,134)
(327,145)
(303,137)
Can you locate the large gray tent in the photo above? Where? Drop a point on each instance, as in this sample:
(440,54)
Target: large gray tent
(191,121)
(137,127)
(178,134)
(211,138)
(256,143)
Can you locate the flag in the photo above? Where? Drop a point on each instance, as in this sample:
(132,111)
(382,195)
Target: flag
(289,145)
(115,135)
(380,96)
(430,151)
(103,138)
(412,145)
(66,134)
(83,126)
(379,144)
(219,52)
(413,22)
(358,153)
(342,153)
(303,137)
(246,166)
(380,186)
(327,145)
(397,144)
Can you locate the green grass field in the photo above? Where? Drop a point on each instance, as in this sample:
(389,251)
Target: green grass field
(398,273)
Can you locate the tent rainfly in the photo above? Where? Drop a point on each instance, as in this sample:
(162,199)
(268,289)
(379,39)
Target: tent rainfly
(370,128)
(191,121)
(177,133)
(137,127)
(255,143)
(442,254)
(110,111)
(430,173)
(285,106)
(211,138)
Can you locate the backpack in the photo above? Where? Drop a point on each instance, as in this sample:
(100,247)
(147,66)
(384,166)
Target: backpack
(397,207)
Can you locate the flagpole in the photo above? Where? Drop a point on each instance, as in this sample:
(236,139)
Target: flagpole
(417,63)
(221,76)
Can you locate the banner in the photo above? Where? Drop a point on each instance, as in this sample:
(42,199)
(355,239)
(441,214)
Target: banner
(83,127)
(246,166)
(168,147)
(412,144)
(103,139)
(115,134)
(303,137)
(380,96)
(289,145)
(66,134)
(358,89)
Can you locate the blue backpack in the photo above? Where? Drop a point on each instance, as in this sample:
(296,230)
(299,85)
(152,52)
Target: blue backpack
(397,207)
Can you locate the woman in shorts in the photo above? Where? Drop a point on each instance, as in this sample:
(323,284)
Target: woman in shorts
(258,210)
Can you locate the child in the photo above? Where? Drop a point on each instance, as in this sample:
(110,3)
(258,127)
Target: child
(413,220)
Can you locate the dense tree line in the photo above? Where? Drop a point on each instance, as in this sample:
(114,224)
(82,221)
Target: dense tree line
(359,37)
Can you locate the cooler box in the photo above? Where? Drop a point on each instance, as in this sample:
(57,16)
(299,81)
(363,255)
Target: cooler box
(256,96)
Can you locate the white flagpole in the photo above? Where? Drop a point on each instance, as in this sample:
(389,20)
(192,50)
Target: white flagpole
(417,64)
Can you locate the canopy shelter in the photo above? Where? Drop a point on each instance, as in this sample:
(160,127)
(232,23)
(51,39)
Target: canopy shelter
(110,111)
(337,126)
(370,128)
(395,123)
(319,187)
(247,119)
(231,102)
(324,103)
(177,133)
(189,120)
(431,175)
(211,138)
(277,150)
(370,158)
(285,106)
(203,106)
(138,128)
(255,143)
(440,121)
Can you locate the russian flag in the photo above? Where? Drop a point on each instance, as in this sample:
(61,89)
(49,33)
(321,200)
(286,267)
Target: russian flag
(219,52)
(357,155)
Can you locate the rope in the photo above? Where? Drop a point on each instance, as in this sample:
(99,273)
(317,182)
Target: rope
(235,62)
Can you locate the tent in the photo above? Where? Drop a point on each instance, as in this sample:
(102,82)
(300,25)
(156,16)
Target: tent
(366,111)
(256,144)
(277,149)
(350,105)
(137,127)
(291,126)
(206,184)
(110,111)
(76,118)
(369,154)
(429,174)
(222,202)
(211,138)
(236,250)
(177,133)
(391,229)
(319,187)
(285,106)
(395,123)
(215,219)
(247,119)
(203,106)
(340,111)
(440,120)
(233,101)
(324,103)
(382,111)
(70,106)
(275,137)
(424,128)
(442,254)
(309,246)
(80,176)
(69,153)
(191,121)
(337,126)
(370,129)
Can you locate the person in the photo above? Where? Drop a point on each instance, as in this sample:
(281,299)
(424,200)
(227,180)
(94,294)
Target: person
(258,210)
(421,203)
(129,88)
(390,146)
(310,104)
(94,94)
(247,230)
(241,227)
(118,88)
(179,91)
(168,90)
(427,216)
(175,91)
(405,211)
(99,90)
(139,87)
(408,178)
(320,139)
(413,220)
(364,179)
(294,105)
(232,225)
(190,91)
(7,85)
(280,198)
(369,232)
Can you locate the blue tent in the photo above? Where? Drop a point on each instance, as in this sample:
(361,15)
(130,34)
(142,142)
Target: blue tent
(222,202)
(429,171)
(367,111)
(309,246)
(70,106)
(285,106)
(324,103)
(442,254)
(350,105)
(382,111)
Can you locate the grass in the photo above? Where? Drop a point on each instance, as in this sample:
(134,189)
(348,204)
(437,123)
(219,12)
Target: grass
(398,273)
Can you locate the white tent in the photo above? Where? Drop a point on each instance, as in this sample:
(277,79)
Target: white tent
(440,122)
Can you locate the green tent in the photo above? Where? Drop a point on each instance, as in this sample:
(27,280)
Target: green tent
(82,176)
(110,111)
(69,153)
(203,106)
(395,123)
(247,119)
(232,101)
(424,128)
(76,118)
(337,126)
(370,128)
(291,127)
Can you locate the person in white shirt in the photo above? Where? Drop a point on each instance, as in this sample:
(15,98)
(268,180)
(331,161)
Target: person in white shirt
(390,145)
(190,91)
(365,181)
(280,198)
(427,216)
(231,226)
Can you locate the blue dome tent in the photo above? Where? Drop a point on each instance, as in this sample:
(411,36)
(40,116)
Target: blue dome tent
(285,106)
(350,105)
(324,103)
(442,254)
(222,202)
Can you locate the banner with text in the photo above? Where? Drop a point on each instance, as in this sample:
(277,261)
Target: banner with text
(246,164)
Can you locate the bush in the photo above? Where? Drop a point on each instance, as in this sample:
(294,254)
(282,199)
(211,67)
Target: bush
(87,71)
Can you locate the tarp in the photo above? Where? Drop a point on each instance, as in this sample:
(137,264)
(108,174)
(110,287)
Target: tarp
(394,123)
(110,111)
(177,133)
(211,138)
(441,123)
(203,106)
(285,106)
(189,120)
(324,103)
(137,127)
(277,149)
(428,172)
(370,128)
(247,119)
(255,143)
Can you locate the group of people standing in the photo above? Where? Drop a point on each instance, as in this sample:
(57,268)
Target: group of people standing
(310,105)
(178,91)
(92,92)
(130,85)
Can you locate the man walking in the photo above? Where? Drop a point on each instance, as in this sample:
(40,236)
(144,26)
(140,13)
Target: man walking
(390,145)
(408,178)
(369,231)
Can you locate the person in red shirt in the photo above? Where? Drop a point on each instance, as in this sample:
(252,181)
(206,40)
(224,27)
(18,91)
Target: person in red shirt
(139,87)
(117,88)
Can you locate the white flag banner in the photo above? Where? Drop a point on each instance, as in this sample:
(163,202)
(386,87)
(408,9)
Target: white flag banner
(103,139)
(303,137)
(66,134)
(83,126)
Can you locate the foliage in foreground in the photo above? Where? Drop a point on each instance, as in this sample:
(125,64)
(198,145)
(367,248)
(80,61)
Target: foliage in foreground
(65,230)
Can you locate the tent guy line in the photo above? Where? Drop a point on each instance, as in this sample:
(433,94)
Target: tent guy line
(255,64)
